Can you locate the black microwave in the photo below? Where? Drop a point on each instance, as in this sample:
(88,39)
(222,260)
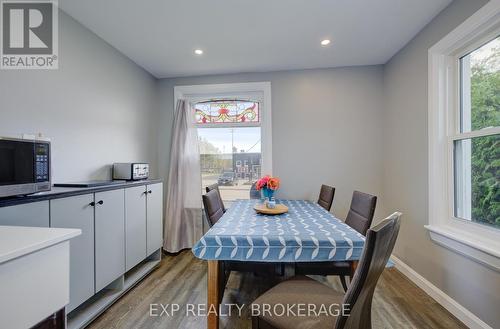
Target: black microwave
(24,166)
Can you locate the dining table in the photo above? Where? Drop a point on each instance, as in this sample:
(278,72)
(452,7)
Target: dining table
(305,233)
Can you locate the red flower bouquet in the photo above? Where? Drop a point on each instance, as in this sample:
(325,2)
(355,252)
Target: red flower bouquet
(268,185)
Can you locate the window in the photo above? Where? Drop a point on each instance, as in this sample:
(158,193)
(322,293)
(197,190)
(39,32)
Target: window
(464,138)
(476,146)
(234,128)
(232,111)
(222,152)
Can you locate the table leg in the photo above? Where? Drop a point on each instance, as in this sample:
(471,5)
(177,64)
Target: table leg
(213,294)
(354,266)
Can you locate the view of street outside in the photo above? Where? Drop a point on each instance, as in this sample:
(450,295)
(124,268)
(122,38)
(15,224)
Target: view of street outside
(229,193)
(235,171)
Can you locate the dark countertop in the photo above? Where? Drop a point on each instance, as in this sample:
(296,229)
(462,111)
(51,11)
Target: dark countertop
(64,192)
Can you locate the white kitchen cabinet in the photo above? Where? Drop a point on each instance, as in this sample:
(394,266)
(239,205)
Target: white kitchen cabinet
(154,216)
(135,226)
(122,228)
(77,212)
(34,274)
(109,237)
(34,214)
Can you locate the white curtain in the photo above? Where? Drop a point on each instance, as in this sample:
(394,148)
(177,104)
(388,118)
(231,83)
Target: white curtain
(183,218)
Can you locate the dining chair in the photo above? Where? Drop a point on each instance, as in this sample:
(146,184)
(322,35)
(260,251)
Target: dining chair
(216,187)
(359,217)
(254,194)
(213,211)
(357,301)
(326,195)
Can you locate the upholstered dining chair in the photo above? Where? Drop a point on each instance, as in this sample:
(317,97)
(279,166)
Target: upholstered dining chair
(216,187)
(214,211)
(326,195)
(254,194)
(356,314)
(359,217)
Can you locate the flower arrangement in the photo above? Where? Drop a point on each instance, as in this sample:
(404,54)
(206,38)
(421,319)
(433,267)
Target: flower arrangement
(268,185)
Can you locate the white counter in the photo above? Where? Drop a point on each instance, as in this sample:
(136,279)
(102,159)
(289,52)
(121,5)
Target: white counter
(34,273)
(17,241)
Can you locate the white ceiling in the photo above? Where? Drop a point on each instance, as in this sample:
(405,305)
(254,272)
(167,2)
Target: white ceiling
(253,35)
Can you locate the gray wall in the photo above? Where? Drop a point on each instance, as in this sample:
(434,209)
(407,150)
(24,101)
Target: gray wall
(405,173)
(326,129)
(98,107)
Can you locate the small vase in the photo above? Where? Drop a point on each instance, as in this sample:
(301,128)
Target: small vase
(267,193)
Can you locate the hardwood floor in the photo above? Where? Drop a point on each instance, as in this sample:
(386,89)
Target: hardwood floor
(182,279)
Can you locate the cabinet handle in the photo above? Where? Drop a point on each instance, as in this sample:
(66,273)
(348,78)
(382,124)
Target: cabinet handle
(100,202)
(150,191)
(92,204)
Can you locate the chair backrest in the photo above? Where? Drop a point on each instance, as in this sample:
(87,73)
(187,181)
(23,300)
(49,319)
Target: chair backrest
(213,207)
(379,243)
(216,187)
(254,194)
(326,195)
(360,215)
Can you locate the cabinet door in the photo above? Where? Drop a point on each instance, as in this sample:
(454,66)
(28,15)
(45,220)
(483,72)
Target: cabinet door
(154,217)
(77,212)
(135,225)
(109,237)
(34,214)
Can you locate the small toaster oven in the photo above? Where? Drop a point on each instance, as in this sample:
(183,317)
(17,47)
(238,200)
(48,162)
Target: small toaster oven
(130,171)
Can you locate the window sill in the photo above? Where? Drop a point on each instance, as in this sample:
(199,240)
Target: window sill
(476,248)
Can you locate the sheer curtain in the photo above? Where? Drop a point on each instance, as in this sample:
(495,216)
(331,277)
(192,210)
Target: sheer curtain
(183,218)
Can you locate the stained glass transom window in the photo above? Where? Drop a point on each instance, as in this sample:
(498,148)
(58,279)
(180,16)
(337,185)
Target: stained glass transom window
(227,112)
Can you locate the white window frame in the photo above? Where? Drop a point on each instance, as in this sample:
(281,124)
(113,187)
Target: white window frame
(252,91)
(475,241)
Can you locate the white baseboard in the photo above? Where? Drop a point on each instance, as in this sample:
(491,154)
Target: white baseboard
(460,312)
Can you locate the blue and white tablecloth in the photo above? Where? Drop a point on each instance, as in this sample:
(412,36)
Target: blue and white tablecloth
(306,233)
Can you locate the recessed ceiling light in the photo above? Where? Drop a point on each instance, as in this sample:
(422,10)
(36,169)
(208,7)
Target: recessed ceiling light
(325,42)
(198,52)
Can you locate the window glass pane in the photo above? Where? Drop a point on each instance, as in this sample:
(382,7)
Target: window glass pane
(227,112)
(480,84)
(477,179)
(230,157)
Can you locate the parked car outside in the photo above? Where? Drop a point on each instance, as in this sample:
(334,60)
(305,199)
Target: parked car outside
(227,178)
